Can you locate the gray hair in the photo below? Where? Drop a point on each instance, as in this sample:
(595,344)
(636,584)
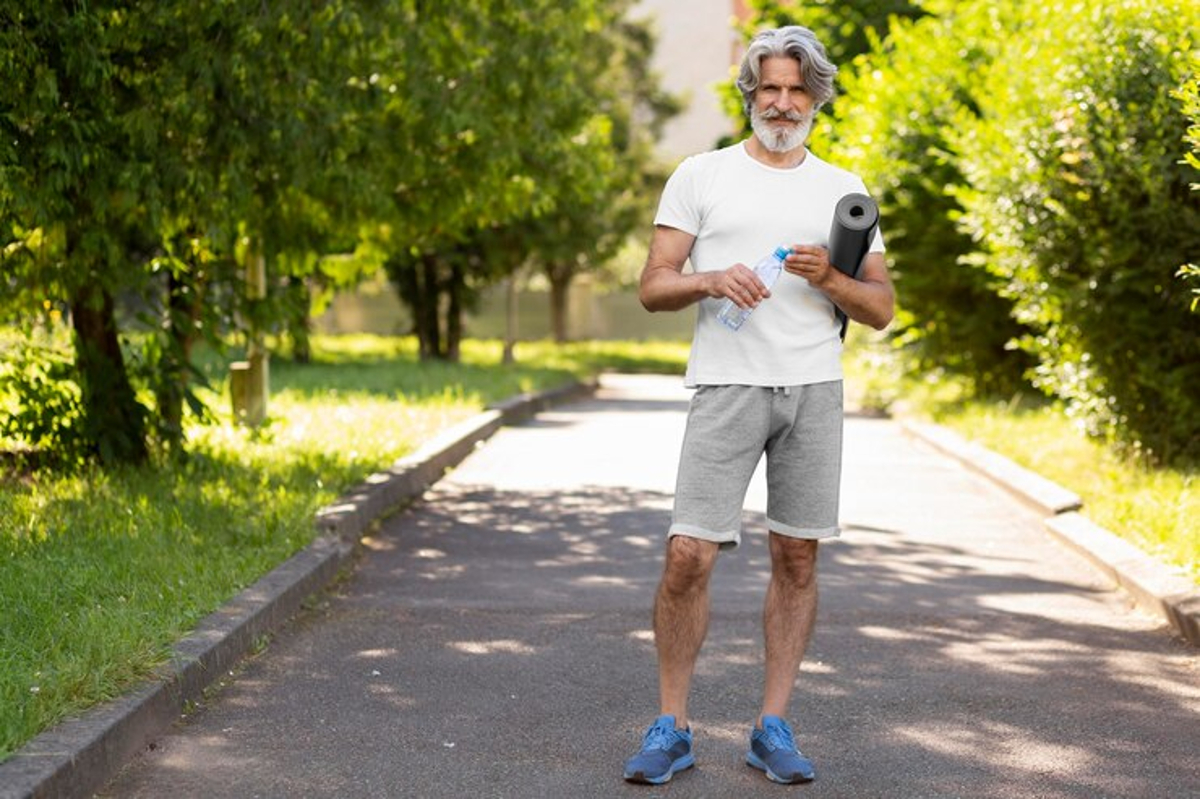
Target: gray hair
(790,41)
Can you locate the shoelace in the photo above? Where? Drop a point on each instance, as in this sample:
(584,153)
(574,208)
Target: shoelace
(660,737)
(780,737)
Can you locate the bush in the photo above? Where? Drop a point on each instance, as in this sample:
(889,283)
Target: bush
(45,416)
(892,128)
(1077,189)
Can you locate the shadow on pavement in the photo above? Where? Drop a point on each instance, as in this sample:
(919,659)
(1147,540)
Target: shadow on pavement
(499,643)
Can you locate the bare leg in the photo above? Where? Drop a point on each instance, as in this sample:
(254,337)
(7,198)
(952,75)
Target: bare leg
(788,615)
(681,620)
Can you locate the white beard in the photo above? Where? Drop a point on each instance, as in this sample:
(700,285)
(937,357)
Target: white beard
(780,139)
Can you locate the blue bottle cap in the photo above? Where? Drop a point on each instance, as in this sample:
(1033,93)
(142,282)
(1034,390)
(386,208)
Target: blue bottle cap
(782,252)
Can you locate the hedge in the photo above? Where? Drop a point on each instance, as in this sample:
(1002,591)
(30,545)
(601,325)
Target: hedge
(1076,186)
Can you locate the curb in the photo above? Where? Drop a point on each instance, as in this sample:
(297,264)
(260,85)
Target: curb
(1153,586)
(81,755)
(1031,488)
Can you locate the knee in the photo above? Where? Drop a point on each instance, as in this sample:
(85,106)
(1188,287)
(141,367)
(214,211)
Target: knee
(794,561)
(688,565)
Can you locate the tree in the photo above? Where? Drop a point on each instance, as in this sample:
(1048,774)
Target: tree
(150,141)
(468,139)
(76,176)
(595,173)
(264,116)
(604,185)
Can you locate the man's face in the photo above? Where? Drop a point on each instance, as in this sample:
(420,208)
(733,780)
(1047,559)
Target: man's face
(782,113)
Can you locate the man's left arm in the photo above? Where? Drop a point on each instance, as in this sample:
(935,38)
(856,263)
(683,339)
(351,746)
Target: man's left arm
(868,299)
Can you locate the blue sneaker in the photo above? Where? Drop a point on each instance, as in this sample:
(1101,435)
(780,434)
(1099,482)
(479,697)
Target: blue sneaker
(773,750)
(665,750)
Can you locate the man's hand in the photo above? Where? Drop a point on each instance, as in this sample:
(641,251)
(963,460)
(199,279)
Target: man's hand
(867,298)
(738,283)
(811,263)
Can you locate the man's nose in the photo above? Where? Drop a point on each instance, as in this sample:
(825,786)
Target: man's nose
(785,101)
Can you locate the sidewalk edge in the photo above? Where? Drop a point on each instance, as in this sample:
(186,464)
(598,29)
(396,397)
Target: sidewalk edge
(1152,585)
(81,755)
(1031,488)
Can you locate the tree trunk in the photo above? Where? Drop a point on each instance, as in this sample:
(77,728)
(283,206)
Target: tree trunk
(172,377)
(560,283)
(510,318)
(416,281)
(114,420)
(426,311)
(454,314)
(299,320)
(404,278)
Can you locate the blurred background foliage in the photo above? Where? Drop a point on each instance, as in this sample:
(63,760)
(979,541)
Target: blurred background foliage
(153,155)
(1033,161)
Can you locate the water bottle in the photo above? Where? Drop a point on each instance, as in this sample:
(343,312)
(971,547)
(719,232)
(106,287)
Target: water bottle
(768,270)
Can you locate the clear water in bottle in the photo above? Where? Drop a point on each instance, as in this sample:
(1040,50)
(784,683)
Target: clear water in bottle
(768,271)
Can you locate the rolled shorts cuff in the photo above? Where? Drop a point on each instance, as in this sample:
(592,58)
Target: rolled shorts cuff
(803,532)
(729,539)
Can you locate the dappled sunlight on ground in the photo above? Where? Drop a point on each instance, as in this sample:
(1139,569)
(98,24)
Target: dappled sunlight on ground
(956,652)
(505,646)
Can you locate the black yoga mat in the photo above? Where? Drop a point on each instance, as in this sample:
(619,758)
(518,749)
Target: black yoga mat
(854,221)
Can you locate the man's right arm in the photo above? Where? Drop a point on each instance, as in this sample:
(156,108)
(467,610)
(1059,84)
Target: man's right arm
(664,287)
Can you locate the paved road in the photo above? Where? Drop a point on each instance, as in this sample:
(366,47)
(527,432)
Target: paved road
(495,641)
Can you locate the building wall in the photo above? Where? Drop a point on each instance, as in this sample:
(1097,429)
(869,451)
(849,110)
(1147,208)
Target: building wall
(696,47)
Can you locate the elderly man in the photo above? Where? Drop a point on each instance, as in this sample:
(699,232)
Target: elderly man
(772,386)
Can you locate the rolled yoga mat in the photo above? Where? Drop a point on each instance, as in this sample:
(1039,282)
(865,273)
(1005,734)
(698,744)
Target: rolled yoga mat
(854,221)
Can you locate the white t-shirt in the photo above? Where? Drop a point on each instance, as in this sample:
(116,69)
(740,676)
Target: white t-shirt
(739,209)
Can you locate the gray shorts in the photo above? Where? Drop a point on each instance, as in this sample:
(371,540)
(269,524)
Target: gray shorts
(728,430)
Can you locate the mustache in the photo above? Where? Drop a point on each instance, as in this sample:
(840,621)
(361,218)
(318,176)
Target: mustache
(791,116)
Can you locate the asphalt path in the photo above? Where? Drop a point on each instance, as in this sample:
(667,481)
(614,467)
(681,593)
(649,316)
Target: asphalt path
(495,640)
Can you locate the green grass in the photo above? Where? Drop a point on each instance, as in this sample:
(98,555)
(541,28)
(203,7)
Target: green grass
(101,572)
(1154,508)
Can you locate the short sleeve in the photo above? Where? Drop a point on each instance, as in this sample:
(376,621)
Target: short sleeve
(679,206)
